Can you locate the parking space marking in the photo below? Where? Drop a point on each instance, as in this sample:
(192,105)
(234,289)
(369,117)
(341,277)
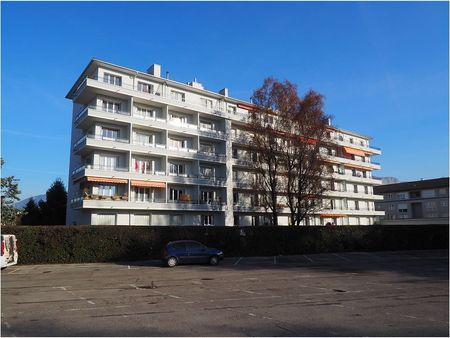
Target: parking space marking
(342,257)
(237,262)
(309,259)
(10,273)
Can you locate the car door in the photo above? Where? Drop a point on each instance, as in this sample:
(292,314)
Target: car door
(198,253)
(181,252)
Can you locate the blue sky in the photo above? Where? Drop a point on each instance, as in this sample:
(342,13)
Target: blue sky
(383,68)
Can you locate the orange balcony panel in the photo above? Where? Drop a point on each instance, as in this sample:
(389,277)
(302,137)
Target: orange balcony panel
(106,180)
(353,151)
(148,184)
(333,215)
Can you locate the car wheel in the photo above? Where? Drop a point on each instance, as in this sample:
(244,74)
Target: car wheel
(214,260)
(171,262)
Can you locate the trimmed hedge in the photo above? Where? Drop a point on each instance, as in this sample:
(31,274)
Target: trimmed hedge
(88,244)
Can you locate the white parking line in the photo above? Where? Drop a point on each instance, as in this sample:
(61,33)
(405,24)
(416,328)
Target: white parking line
(309,259)
(10,273)
(342,257)
(237,262)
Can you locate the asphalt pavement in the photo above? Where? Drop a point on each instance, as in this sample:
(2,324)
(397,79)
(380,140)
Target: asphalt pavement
(401,293)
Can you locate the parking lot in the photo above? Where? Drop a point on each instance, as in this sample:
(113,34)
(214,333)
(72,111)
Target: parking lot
(344,294)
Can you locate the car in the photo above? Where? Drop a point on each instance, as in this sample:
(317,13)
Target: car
(186,252)
(10,252)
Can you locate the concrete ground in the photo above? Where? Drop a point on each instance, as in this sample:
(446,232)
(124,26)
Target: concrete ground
(344,294)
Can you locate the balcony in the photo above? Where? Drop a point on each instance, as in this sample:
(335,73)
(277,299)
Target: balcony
(98,83)
(350,162)
(158,204)
(369,149)
(132,174)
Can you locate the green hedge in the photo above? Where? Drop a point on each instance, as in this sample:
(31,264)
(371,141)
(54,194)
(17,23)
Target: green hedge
(84,244)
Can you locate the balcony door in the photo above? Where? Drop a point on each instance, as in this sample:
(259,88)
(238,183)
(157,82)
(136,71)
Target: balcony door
(108,162)
(143,166)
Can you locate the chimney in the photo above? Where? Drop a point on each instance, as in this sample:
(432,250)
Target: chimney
(167,75)
(224,92)
(329,122)
(154,70)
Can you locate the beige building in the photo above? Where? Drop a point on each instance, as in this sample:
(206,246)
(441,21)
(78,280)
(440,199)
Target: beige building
(147,150)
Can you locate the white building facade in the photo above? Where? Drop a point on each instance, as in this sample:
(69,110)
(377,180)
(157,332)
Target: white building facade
(146,150)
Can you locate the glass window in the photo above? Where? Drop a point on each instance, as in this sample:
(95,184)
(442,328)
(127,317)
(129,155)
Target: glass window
(145,113)
(206,103)
(176,168)
(112,79)
(110,106)
(208,219)
(110,133)
(178,96)
(206,172)
(145,87)
(232,109)
(175,194)
(107,190)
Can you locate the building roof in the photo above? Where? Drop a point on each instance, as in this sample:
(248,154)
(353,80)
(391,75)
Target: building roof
(414,185)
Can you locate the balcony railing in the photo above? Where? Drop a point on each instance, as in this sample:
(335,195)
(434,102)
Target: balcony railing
(218,109)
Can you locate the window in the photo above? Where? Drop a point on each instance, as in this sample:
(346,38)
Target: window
(178,96)
(208,220)
(235,220)
(175,219)
(444,203)
(207,196)
(206,125)
(141,220)
(356,205)
(206,103)
(109,133)
(366,189)
(145,113)
(179,119)
(142,194)
(206,172)
(431,205)
(106,190)
(108,162)
(351,140)
(176,169)
(110,106)
(235,153)
(143,139)
(355,188)
(231,109)
(401,195)
(175,194)
(104,219)
(235,198)
(207,148)
(414,194)
(142,166)
(112,79)
(176,143)
(145,87)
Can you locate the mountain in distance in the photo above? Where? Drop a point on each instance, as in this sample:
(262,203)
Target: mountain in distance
(21,204)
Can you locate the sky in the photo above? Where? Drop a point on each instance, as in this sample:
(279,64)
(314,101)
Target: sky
(382,67)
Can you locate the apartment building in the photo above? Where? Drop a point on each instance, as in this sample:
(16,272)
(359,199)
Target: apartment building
(416,202)
(147,150)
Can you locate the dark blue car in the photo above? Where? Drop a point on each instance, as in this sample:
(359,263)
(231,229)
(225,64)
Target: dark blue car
(185,252)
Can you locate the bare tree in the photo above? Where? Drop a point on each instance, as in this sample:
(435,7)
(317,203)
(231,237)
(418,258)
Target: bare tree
(286,132)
